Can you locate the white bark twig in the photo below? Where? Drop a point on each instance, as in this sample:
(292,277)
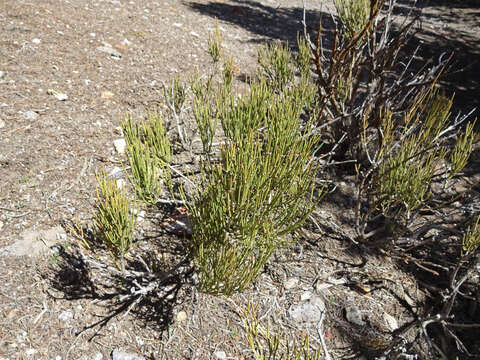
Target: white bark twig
(171,106)
(44,310)
(320,334)
(171,202)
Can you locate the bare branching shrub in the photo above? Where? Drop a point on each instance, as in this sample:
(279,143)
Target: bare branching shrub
(386,123)
(362,77)
(387,120)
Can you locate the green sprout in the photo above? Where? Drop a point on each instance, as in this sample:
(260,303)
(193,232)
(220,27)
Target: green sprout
(215,44)
(114,220)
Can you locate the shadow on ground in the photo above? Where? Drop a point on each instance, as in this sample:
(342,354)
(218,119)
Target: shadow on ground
(269,22)
(281,23)
(78,278)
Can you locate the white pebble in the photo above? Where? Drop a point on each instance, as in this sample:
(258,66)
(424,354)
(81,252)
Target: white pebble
(120,145)
(220,355)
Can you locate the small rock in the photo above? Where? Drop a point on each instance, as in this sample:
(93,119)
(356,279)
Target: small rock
(310,311)
(30,115)
(118,130)
(307,295)
(321,288)
(126,42)
(121,46)
(334,281)
(36,41)
(290,283)
(33,243)
(57,95)
(61,236)
(116,172)
(30,352)
(220,355)
(121,183)
(121,355)
(182,316)
(139,341)
(178,25)
(98,356)
(409,300)
(353,315)
(2,124)
(65,315)
(120,145)
(1,224)
(22,336)
(391,321)
(58,357)
(141,216)
(107,95)
(109,50)
(2,74)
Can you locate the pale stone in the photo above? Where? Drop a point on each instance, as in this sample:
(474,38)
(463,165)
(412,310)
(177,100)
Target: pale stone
(290,283)
(121,355)
(391,321)
(120,145)
(181,316)
(34,243)
(220,355)
(310,311)
(354,315)
(107,95)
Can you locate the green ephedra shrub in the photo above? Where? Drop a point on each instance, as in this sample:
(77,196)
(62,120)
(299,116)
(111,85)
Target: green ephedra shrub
(255,189)
(260,191)
(114,221)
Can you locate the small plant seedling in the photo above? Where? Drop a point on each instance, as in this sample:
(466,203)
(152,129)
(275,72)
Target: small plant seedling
(215,44)
(114,221)
(24,179)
